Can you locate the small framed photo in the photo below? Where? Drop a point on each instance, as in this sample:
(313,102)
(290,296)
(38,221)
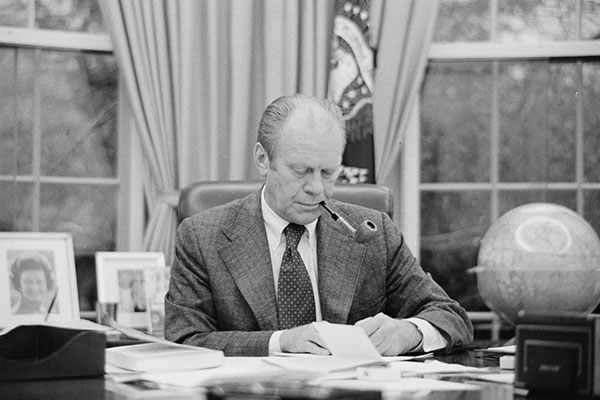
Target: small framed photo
(121,279)
(37,278)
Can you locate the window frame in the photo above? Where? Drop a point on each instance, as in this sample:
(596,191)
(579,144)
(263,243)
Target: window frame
(128,178)
(411,185)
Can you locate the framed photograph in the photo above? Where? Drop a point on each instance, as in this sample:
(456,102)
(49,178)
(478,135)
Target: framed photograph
(121,278)
(37,278)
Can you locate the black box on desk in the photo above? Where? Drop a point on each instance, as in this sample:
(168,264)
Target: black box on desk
(558,352)
(32,352)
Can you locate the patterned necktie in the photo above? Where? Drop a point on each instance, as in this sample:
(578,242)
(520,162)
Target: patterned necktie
(296,302)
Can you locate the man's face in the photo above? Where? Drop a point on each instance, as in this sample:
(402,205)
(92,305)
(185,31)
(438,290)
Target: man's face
(305,167)
(33,285)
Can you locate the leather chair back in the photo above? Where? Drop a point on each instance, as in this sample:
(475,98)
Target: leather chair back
(200,196)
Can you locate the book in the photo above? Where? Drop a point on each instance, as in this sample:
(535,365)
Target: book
(163,356)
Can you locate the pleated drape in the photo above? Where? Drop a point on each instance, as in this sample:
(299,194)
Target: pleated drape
(403,32)
(198,74)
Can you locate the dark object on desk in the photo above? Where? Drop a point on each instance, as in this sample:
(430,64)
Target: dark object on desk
(285,389)
(47,352)
(55,389)
(558,352)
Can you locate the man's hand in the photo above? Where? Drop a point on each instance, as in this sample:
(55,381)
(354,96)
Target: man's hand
(391,336)
(303,339)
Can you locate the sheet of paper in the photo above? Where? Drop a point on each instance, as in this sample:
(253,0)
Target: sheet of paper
(389,388)
(511,349)
(321,364)
(508,378)
(329,364)
(411,368)
(347,340)
(234,369)
(83,324)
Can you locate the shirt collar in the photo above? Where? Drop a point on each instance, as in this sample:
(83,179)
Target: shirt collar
(275,225)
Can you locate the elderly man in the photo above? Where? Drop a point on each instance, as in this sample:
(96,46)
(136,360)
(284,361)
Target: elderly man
(250,276)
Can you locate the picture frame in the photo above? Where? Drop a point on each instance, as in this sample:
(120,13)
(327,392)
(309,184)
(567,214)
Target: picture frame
(37,278)
(120,280)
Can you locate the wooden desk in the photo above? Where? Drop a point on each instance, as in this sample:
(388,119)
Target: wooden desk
(92,389)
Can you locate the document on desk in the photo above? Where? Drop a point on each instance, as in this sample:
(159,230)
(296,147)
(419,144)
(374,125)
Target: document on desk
(509,349)
(433,367)
(80,324)
(234,369)
(350,348)
(347,340)
(390,388)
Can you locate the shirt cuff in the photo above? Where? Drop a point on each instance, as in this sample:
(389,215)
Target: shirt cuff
(432,338)
(274,346)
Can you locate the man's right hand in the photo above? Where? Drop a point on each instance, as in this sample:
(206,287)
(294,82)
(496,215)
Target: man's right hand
(303,339)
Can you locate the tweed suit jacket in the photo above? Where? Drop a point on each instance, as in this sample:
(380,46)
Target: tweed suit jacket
(222,293)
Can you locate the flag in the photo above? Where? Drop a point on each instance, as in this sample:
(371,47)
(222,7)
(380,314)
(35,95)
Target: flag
(351,85)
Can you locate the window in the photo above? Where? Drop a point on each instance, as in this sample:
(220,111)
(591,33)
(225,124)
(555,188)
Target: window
(508,115)
(58,127)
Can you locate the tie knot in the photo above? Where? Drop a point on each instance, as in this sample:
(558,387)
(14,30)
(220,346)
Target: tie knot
(293,233)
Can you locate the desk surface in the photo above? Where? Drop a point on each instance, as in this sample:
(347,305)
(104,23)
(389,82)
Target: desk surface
(105,388)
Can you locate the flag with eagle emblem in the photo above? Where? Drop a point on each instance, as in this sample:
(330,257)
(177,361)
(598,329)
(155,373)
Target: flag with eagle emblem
(351,85)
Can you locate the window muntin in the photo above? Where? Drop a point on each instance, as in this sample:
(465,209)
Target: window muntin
(504,123)
(59,164)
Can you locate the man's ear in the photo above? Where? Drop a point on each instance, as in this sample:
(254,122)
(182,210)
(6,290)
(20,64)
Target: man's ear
(261,159)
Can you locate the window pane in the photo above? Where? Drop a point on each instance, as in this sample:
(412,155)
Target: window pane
(537,21)
(16,200)
(452,225)
(79,97)
(510,199)
(16,109)
(69,15)
(592,211)
(87,211)
(537,121)
(590,24)
(455,122)
(463,20)
(13,13)
(591,121)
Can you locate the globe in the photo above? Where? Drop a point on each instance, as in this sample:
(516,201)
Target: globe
(539,257)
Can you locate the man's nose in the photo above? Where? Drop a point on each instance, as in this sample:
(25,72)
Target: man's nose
(314,184)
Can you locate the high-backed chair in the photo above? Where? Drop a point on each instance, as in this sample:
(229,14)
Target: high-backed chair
(203,195)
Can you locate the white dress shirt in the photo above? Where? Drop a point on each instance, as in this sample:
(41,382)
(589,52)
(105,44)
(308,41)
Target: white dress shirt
(274,225)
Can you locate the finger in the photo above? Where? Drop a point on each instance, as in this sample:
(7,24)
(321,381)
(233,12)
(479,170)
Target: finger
(315,348)
(369,325)
(377,338)
(315,337)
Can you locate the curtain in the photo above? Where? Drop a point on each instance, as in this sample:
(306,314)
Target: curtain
(247,53)
(198,75)
(402,30)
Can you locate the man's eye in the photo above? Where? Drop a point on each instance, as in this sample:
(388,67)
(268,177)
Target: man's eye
(327,174)
(300,171)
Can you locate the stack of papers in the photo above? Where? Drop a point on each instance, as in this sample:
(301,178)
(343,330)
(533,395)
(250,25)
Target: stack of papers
(233,369)
(351,350)
(161,356)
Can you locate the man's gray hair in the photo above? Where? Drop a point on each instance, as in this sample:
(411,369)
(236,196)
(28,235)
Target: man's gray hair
(277,113)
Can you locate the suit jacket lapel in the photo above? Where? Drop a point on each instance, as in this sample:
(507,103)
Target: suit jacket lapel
(248,259)
(340,259)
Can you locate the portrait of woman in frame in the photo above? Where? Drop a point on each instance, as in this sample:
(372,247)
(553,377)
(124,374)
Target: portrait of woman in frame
(37,278)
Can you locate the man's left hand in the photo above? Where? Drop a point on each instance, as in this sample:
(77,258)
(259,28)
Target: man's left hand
(391,336)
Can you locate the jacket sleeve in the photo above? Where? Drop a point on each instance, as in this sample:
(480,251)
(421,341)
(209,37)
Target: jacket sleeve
(413,293)
(190,310)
